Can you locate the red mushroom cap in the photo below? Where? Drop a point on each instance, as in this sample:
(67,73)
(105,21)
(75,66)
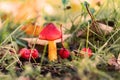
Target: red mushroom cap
(50,32)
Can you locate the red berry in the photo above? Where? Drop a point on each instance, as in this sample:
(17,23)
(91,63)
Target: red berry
(88,51)
(34,53)
(25,53)
(64,53)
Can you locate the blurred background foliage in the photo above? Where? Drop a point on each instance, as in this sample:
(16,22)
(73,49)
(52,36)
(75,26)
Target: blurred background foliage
(26,18)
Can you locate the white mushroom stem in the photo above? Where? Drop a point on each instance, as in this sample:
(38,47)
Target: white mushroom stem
(52,51)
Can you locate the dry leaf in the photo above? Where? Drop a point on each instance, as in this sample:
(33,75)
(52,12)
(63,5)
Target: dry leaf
(100,29)
(32,29)
(22,11)
(82,33)
(43,42)
(26,11)
(105,28)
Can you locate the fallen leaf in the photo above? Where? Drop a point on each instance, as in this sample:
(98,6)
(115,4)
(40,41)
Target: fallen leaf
(43,42)
(100,29)
(105,28)
(26,11)
(31,29)
(22,11)
(82,33)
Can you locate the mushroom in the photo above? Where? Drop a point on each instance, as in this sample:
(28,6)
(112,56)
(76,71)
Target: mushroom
(51,33)
(44,42)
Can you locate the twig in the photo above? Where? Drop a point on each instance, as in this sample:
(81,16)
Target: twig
(94,23)
(62,36)
(90,13)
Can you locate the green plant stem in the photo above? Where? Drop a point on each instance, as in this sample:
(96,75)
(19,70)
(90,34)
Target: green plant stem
(4,56)
(87,35)
(16,53)
(11,64)
(43,55)
(62,36)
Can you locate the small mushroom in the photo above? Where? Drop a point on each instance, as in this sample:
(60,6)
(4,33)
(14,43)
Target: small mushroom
(51,33)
